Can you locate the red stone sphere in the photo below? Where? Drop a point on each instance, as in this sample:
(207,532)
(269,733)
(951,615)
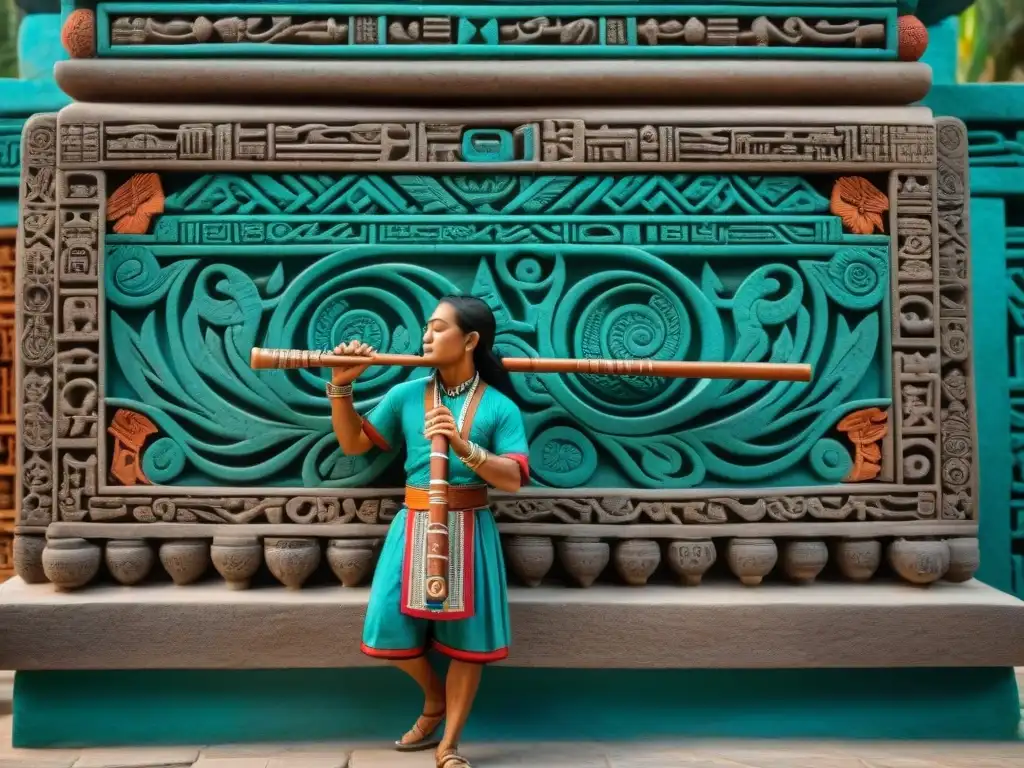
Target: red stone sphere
(913,38)
(79,34)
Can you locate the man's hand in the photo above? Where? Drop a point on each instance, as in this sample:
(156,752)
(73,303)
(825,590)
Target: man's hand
(348,374)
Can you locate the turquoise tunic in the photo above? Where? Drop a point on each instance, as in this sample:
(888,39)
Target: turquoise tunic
(484,636)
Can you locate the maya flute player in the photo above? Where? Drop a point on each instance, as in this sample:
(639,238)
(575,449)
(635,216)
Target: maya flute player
(468,401)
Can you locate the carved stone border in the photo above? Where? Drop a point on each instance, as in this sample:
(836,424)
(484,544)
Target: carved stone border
(79,442)
(958,422)
(234,138)
(788,512)
(35,301)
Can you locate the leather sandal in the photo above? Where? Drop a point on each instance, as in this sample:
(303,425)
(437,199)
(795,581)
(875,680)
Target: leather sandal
(451,758)
(425,738)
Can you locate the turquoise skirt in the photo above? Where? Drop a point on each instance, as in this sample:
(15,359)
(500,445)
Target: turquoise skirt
(483,637)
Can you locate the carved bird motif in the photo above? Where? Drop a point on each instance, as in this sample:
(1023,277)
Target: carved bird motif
(134,204)
(859,204)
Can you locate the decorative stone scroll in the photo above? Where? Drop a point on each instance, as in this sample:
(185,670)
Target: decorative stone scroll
(709,509)
(617,30)
(545,143)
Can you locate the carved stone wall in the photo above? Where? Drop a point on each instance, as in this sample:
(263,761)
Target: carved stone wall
(8,403)
(181,245)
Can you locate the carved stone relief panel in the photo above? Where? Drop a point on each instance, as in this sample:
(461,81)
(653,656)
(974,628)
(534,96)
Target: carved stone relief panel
(154,215)
(588,238)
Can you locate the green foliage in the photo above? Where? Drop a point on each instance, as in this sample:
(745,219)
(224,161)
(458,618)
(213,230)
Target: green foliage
(8,39)
(992,41)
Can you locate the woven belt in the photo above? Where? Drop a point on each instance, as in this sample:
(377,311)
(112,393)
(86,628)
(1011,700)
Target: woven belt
(459,497)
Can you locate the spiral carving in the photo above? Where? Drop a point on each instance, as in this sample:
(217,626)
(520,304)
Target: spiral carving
(622,315)
(353,296)
(855,278)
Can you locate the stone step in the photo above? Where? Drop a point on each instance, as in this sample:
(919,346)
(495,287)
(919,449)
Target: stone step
(721,625)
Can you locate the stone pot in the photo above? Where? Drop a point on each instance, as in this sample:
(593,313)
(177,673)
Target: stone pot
(236,558)
(752,559)
(530,558)
(858,559)
(351,560)
(964,558)
(28,558)
(129,560)
(690,560)
(70,563)
(292,560)
(636,560)
(919,561)
(185,560)
(583,559)
(804,560)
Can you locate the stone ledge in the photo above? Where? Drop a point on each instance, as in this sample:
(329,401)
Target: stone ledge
(207,626)
(810,83)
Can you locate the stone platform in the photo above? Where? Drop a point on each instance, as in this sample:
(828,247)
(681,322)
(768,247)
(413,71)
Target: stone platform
(732,754)
(719,625)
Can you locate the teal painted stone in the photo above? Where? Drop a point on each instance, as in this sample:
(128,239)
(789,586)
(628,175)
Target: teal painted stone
(34,91)
(145,707)
(934,11)
(697,267)
(994,114)
(10,155)
(860,31)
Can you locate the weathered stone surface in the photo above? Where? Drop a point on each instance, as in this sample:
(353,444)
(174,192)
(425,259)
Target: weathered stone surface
(138,757)
(779,626)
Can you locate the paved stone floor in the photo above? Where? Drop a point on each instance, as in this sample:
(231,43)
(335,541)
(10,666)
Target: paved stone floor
(731,754)
(709,754)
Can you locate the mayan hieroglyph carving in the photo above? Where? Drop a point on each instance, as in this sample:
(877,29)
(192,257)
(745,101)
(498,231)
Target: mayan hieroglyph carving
(37,257)
(562,141)
(8,403)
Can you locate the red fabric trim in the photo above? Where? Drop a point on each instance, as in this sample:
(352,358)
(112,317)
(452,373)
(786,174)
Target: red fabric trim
(375,437)
(524,466)
(469,575)
(392,655)
(473,657)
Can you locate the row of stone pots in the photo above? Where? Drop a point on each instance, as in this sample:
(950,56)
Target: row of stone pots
(73,563)
(919,561)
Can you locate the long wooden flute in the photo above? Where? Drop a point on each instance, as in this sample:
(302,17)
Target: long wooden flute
(670,369)
(437,531)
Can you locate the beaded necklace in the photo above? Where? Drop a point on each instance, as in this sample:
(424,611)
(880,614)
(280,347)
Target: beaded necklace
(471,385)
